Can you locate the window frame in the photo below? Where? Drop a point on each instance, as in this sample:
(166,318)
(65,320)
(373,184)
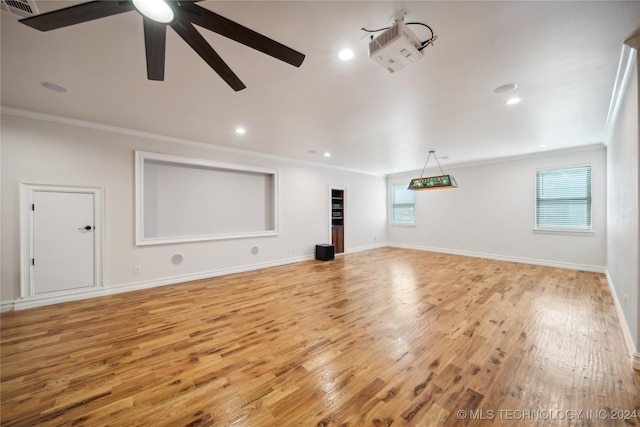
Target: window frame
(569,230)
(392,205)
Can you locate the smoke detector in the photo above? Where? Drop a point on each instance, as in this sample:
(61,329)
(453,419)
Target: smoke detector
(19,8)
(396,48)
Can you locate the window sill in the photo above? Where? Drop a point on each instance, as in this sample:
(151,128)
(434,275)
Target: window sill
(564,231)
(403,225)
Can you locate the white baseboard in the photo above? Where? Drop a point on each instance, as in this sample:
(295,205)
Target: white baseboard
(533,261)
(42,300)
(367,247)
(631,348)
(7,306)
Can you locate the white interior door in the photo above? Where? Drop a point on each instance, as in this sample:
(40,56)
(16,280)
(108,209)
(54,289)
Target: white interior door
(63,245)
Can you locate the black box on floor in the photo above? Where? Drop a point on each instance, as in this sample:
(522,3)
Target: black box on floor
(325,252)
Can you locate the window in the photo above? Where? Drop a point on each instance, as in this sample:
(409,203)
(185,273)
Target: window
(403,205)
(563,198)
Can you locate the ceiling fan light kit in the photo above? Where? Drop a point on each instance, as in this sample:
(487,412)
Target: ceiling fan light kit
(158,10)
(179,15)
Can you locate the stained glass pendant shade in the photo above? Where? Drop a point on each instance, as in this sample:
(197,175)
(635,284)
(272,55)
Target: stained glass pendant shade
(432,182)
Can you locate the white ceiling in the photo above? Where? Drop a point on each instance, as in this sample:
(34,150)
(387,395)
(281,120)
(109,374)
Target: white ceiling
(563,55)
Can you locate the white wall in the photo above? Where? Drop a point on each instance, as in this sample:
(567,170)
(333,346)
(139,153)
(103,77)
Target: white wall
(622,216)
(46,152)
(185,201)
(492,213)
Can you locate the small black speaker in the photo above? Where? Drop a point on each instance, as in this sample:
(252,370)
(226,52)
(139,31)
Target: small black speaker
(325,252)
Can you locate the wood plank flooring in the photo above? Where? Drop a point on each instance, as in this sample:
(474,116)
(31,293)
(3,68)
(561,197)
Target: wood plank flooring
(377,338)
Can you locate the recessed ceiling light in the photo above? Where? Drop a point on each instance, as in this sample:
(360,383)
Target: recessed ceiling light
(345,54)
(506,88)
(241,131)
(543,145)
(327,154)
(55,87)
(158,10)
(513,101)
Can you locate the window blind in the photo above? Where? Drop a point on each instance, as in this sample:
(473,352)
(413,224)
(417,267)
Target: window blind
(563,198)
(403,205)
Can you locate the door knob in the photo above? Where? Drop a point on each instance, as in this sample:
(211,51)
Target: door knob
(87,227)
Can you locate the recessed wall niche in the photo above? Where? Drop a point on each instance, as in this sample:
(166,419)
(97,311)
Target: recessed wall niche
(181,199)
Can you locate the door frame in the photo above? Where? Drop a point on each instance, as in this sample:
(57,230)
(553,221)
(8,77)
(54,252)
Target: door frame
(344,213)
(27,191)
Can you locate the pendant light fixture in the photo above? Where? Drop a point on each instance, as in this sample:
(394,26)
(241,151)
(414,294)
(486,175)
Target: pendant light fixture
(433,182)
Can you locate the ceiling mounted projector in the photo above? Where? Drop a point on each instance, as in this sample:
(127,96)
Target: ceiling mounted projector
(396,48)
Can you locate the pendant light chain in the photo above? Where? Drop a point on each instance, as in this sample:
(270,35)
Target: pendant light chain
(425,163)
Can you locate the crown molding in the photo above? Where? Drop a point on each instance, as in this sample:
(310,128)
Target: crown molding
(627,61)
(507,159)
(51,118)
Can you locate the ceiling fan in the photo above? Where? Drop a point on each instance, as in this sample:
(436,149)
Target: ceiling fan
(179,15)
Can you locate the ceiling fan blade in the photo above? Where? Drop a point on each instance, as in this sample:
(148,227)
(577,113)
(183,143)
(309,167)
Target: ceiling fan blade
(155,38)
(77,14)
(230,29)
(189,34)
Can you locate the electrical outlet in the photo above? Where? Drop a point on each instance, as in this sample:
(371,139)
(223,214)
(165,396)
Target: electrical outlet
(137,269)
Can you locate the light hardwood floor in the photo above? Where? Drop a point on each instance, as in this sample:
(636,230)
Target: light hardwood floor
(378,338)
